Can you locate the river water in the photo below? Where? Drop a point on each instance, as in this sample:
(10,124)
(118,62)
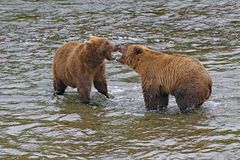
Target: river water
(33,125)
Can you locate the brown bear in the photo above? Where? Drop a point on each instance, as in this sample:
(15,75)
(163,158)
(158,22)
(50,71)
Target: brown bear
(162,74)
(79,65)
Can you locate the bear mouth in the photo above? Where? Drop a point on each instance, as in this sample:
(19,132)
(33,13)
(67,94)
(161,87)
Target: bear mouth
(121,53)
(118,56)
(121,59)
(112,58)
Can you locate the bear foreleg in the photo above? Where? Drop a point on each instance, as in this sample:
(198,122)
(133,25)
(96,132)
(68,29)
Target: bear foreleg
(155,99)
(100,82)
(59,87)
(84,88)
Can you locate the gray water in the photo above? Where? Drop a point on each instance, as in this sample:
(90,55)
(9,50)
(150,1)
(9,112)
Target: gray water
(33,125)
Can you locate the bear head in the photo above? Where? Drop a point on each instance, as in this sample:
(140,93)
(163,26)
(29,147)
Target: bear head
(131,54)
(101,47)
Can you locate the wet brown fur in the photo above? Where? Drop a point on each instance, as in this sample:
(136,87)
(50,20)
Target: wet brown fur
(78,65)
(162,74)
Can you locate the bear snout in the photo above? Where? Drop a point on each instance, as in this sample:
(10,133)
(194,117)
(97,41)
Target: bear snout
(116,48)
(110,55)
(123,53)
(122,49)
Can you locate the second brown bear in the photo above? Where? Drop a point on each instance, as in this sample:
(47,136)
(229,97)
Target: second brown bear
(162,74)
(79,65)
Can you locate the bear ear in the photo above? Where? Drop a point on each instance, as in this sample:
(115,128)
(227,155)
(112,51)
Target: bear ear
(93,37)
(88,44)
(137,50)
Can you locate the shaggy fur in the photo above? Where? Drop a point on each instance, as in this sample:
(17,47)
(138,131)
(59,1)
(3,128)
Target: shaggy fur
(162,74)
(79,65)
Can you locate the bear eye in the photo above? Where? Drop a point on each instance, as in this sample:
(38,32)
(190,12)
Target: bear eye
(107,43)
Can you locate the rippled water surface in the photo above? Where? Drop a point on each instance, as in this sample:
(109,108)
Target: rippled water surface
(33,125)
